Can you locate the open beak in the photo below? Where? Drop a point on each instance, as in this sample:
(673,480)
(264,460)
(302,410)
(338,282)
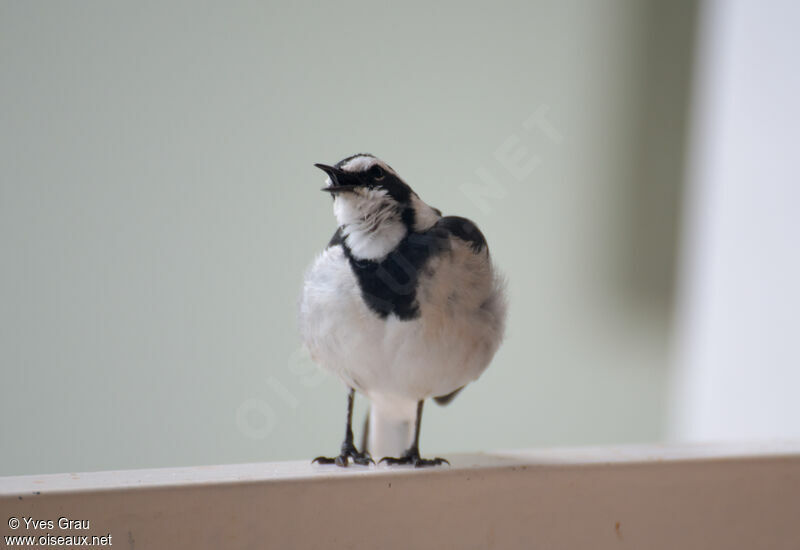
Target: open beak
(341,181)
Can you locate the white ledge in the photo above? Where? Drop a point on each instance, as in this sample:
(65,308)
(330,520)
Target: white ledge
(653,496)
(260,472)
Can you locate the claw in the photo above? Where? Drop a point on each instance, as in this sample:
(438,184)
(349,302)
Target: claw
(413,459)
(343,460)
(364,459)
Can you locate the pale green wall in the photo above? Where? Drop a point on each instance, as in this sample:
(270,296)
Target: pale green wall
(158,206)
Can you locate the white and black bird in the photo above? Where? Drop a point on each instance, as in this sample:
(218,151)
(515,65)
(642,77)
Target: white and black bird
(403,305)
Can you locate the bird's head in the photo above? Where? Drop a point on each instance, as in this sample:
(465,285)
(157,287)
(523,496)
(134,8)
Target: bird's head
(374,207)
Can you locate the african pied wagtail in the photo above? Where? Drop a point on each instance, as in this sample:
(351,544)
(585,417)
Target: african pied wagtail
(402,305)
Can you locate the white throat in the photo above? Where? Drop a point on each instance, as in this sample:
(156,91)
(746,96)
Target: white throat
(371,223)
(376,244)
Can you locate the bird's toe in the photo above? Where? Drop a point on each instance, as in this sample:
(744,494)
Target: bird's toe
(424,462)
(343,460)
(413,459)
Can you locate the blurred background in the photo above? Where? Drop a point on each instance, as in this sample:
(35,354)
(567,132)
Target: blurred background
(632,164)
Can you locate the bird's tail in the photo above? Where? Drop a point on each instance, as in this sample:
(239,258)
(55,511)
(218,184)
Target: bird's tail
(390,427)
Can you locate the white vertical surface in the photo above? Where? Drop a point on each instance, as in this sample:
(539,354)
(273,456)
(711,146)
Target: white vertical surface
(738,343)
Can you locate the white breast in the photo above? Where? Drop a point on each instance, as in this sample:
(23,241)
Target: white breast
(462,311)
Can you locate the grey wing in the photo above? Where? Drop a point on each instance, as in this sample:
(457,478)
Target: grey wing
(463,229)
(467,231)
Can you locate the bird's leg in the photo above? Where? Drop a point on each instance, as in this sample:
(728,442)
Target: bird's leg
(411,456)
(348,448)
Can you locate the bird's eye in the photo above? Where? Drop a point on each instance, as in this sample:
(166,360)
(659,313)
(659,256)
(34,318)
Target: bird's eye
(376,172)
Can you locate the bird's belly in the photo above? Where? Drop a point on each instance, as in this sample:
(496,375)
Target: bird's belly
(401,358)
(431,355)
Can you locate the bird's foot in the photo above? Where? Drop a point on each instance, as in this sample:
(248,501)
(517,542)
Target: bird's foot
(411,458)
(348,451)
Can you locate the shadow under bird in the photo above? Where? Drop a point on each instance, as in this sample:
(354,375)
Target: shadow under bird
(403,305)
